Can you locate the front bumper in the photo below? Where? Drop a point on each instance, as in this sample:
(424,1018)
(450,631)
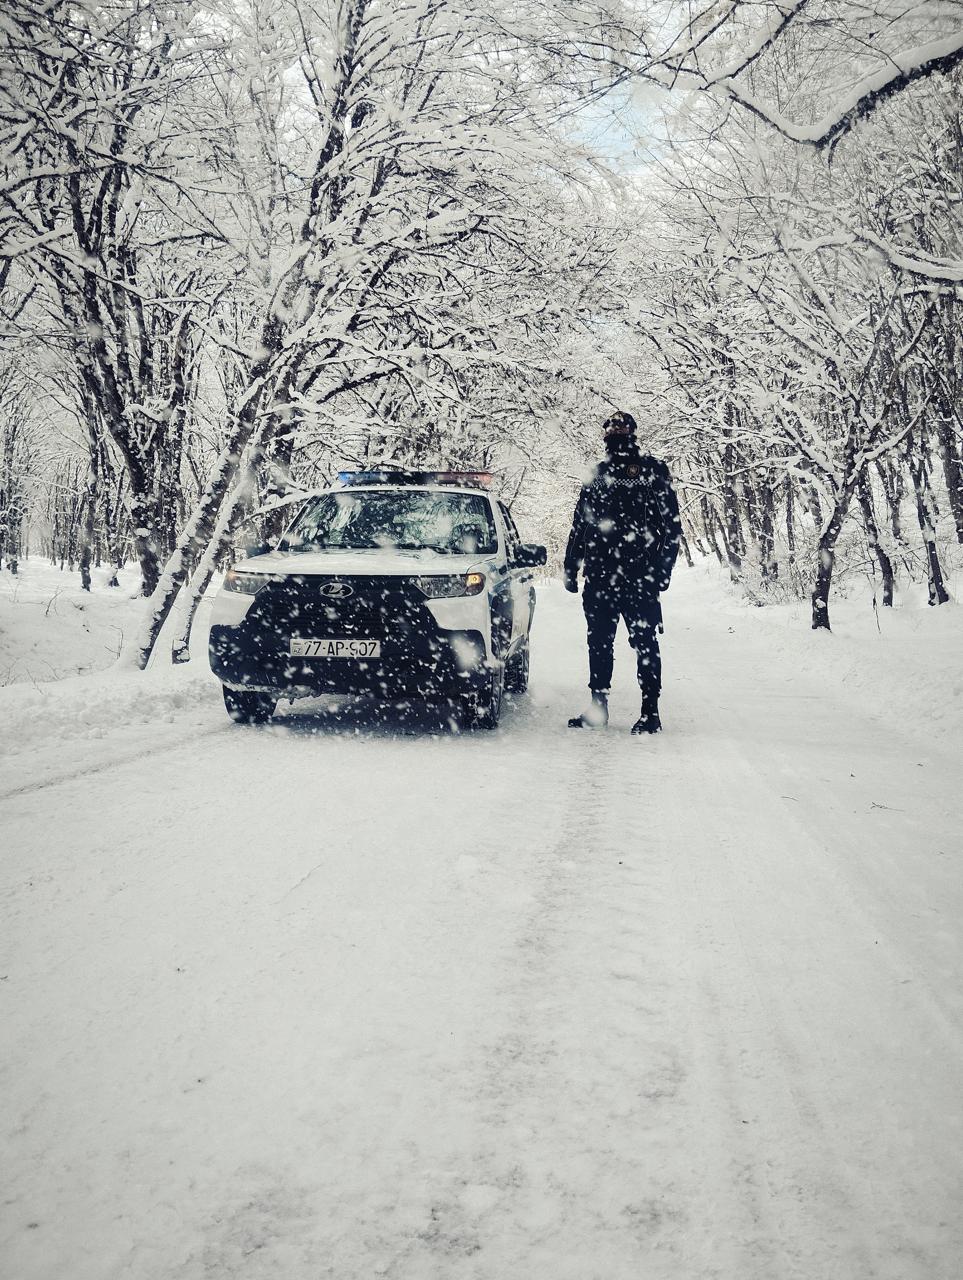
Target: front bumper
(419,658)
(246,661)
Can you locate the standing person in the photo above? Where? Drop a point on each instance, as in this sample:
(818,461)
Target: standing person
(625,536)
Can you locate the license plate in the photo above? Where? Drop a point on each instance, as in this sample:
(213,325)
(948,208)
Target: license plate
(349,647)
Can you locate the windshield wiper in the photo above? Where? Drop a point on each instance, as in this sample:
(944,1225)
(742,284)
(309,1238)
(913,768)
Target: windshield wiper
(443,548)
(334,546)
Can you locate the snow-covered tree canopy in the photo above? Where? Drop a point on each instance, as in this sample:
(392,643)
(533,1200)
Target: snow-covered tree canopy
(241,245)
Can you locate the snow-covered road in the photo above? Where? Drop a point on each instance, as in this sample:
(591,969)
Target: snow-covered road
(340,999)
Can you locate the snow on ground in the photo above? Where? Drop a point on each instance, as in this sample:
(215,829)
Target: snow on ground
(902,665)
(345,997)
(57,647)
(50,628)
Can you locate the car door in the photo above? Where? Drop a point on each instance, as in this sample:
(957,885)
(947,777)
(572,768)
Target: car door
(522,591)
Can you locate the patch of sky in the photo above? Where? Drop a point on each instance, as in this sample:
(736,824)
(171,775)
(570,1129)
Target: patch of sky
(626,126)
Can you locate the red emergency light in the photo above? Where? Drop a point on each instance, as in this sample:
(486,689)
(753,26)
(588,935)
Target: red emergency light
(462,479)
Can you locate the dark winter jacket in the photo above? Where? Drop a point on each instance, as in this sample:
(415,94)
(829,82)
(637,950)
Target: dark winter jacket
(626,526)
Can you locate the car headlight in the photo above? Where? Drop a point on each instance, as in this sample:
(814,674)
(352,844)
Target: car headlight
(248,584)
(445,586)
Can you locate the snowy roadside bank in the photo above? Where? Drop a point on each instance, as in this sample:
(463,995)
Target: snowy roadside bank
(902,665)
(88,722)
(50,628)
(64,705)
(92,706)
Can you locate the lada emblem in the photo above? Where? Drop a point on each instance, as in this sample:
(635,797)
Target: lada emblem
(337,590)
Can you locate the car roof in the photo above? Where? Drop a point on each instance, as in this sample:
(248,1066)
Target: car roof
(473,489)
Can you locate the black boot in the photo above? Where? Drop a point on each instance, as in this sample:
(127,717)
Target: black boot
(648,721)
(596,716)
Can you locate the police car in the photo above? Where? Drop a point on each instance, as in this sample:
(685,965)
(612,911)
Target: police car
(388,585)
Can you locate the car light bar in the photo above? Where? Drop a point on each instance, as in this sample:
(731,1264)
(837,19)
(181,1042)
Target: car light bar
(467,479)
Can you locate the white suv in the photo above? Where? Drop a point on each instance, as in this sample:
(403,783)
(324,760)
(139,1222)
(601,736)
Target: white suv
(394,586)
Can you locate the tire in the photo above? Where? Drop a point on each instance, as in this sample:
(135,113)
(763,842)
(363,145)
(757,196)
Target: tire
(248,706)
(516,671)
(486,711)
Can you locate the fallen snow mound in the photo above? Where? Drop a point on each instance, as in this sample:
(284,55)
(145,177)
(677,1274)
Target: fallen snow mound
(92,706)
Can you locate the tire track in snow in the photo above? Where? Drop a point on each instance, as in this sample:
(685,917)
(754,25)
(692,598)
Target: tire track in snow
(747,1113)
(573,1122)
(794,1002)
(115,762)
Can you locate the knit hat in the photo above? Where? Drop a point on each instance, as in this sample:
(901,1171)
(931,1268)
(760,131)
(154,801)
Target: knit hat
(621,424)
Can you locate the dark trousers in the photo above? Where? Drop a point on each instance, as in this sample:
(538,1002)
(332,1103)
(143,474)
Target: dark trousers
(604,603)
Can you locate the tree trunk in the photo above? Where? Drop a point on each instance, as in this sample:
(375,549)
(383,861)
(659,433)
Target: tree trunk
(145,545)
(200,581)
(709,524)
(201,526)
(952,470)
(87,539)
(790,521)
(768,563)
(892,481)
(727,556)
(872,533)
(90,503)
(814,505)
(684,542)
(231,515)
(948,410)
(113,506)
(11,497)
(732,532)
(826,560)
(926,516)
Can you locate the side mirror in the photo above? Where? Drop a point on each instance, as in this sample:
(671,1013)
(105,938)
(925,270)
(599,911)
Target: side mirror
(528,555)
(256,548)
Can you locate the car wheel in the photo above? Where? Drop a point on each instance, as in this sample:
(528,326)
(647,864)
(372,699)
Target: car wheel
(516,671)
(248,706)
(484,710)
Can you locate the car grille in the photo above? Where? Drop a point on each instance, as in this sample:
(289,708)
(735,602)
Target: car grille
(377,608)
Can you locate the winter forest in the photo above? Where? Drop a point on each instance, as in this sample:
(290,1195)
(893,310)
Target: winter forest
(372,372)
(244,245)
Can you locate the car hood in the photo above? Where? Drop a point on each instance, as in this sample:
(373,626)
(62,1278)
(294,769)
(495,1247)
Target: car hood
(360,563)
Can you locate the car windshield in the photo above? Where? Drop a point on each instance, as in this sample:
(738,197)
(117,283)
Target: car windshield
(409,520)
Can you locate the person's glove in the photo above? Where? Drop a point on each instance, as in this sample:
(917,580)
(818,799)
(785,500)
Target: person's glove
(571,582)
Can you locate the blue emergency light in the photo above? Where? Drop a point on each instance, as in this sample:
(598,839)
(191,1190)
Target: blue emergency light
(466,479)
